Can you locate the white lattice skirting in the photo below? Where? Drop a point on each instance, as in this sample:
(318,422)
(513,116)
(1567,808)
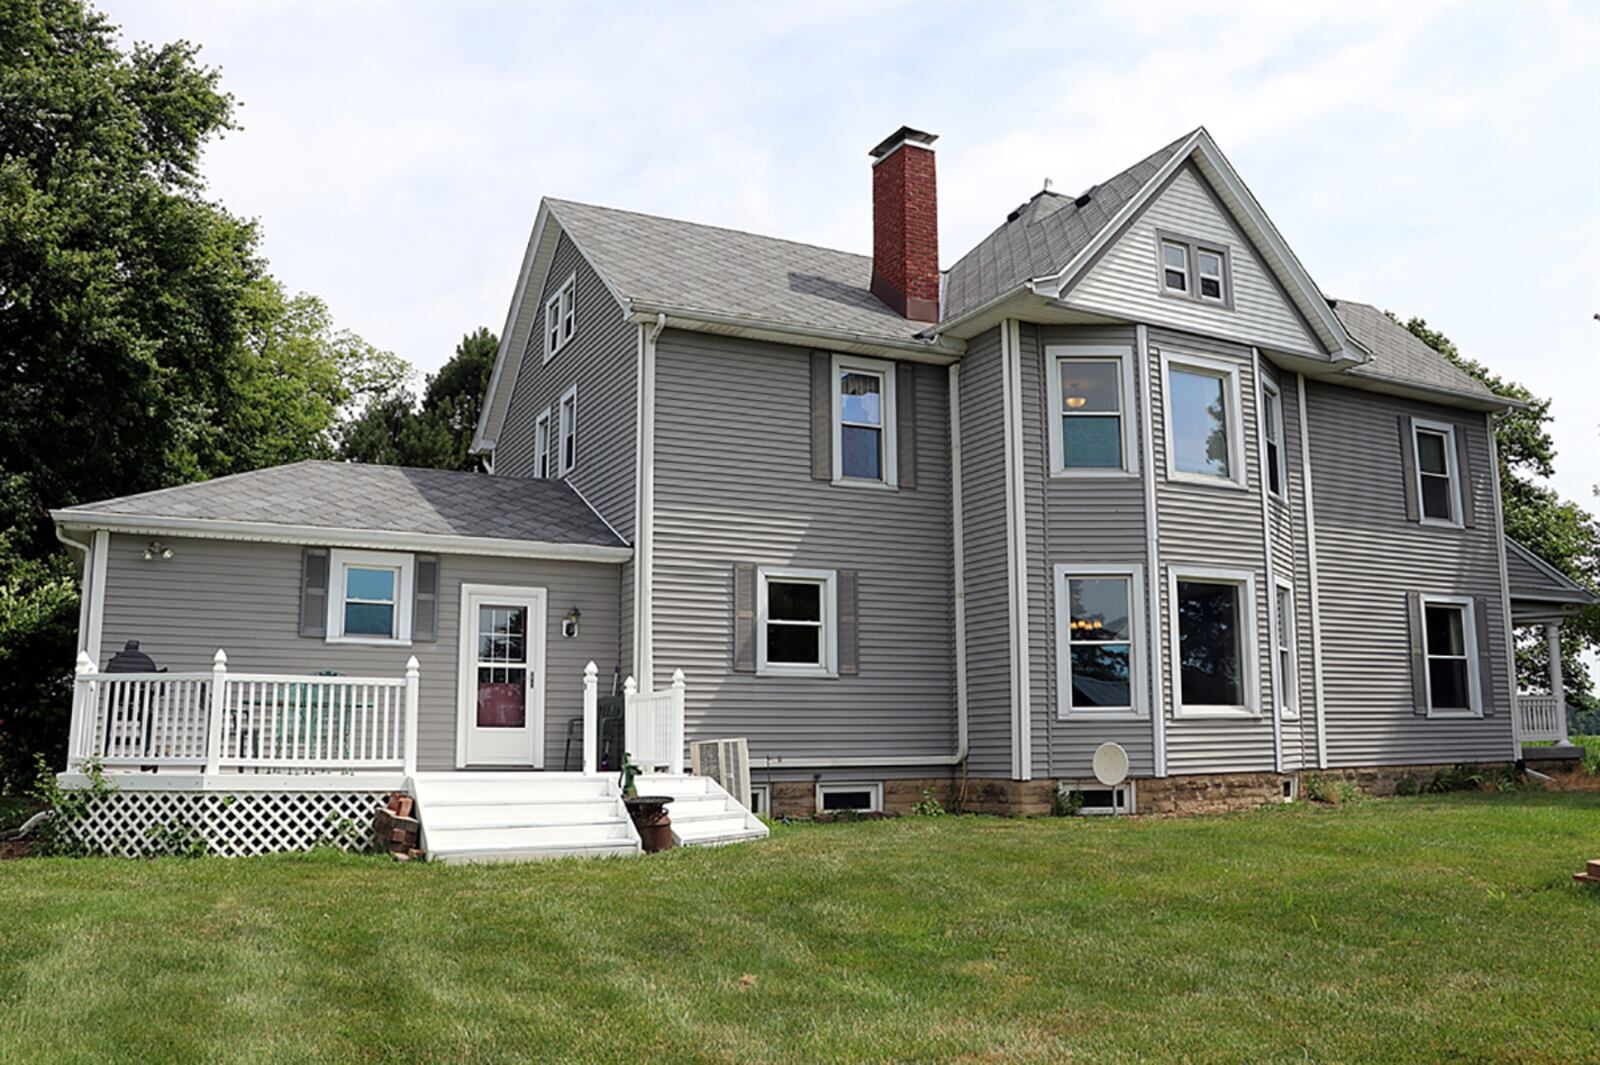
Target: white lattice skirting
(231,824)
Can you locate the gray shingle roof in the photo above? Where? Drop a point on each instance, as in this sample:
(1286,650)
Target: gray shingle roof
(1531,577)
(1042,236)
(1399,356)
(337,495)
(692,267)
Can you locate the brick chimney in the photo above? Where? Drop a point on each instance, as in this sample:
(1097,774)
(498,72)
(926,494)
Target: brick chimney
(905,225)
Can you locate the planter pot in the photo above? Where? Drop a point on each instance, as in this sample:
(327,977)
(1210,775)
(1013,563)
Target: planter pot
(649,813)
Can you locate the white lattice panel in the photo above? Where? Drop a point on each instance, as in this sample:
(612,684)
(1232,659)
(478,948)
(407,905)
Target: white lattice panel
(137,824)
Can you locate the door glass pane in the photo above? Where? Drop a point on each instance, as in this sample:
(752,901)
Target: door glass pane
(1099,608)
(368,619)
(1445,631)
(1092,443)
(1208,644)
(794,644)
(502,697)
(794,601)
(1448,680)
(861,398)
(860,452)
(1100,675)
(1090,387)
(1430,453)
(1199,423)
(502,666)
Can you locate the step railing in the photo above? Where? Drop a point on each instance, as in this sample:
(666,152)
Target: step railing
(1543,718)
(652,724)
(261,722)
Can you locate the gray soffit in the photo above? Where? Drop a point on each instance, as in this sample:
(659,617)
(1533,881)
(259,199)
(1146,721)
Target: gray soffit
(386,499)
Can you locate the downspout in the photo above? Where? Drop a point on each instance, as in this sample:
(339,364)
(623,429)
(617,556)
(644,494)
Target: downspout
(644,509)
(85,550)
(1490,422)
(958,551)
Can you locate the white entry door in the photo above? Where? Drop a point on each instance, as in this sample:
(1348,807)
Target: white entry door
(502,677)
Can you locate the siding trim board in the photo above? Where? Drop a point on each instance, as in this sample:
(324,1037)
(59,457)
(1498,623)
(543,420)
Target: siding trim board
(1016,549)
(1152,552)
(1505,581)
(1312,579)
(1266,547)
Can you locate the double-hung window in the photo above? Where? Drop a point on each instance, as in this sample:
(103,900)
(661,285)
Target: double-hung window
(1438,481)
(567,438)
(1283,648)
(1099,641)
(1194,268)
(541,444)
(864,421)
(796,631)
(1205,440)
(1450,655)
(370,597)
(1213,657)
(561,317)
(1272,438)
(1092,429)
(1175,266)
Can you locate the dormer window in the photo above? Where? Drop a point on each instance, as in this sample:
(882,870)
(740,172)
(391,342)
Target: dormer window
(561,317)
(1175,266)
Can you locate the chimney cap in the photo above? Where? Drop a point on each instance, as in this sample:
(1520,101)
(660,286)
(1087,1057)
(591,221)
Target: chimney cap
(918,137)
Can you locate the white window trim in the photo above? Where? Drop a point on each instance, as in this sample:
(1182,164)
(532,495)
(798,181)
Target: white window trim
(828,644)
(1162,244)
(1229,372)
(568,423)
(1469,622)
(339,560)
(1055,354)
(1127,787)
(1448,431)
(562,308)
(1249,641)
(884,370)
(541,444)
(873,786)
(1272,397)
(1286,692)
(1140,678)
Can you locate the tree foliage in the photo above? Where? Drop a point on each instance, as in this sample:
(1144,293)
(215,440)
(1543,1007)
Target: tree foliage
(142,341)
(1558,530)
(395,430)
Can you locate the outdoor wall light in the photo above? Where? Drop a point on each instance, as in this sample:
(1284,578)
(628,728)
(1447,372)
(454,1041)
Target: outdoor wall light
(156,549)
(569,624)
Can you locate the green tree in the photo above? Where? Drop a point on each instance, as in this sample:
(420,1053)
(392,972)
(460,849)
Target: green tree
(395,430)
(1558,530)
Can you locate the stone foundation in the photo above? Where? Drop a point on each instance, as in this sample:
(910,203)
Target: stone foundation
(1209,793)
(1381,780)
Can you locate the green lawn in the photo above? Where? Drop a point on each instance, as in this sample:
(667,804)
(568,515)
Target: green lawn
(1428,928)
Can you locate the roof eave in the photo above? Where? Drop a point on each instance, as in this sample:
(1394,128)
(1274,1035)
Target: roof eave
(920,348)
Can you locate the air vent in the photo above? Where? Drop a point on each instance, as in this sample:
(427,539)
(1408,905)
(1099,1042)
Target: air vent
(1085,196)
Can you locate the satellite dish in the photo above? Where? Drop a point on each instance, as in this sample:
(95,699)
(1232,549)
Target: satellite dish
(1110,764)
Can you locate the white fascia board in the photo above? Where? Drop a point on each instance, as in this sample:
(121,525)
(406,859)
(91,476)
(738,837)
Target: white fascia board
(937,352)
(374,539)
(513,341)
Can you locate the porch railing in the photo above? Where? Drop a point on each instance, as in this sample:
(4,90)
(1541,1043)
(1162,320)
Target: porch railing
(652,726)
(1543,717)
(245,721)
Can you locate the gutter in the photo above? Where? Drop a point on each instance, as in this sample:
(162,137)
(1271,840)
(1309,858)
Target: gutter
(932,350)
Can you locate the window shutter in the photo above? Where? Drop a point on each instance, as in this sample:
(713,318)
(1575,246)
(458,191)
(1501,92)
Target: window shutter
(821,416)
(1419,660)
(1464,471)
(744,618)
(1480,611)
(1408,468)
(314,591)
(905,413)
(425,599)
(849,625)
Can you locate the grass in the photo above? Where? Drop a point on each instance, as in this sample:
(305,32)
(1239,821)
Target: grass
(1445,927)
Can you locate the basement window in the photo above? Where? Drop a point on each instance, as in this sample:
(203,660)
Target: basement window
(760,799)
(1097,800)
(858,798)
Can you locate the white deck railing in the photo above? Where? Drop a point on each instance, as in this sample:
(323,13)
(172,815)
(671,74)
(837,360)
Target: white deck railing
(1543,718)
(244,721)
(652,724)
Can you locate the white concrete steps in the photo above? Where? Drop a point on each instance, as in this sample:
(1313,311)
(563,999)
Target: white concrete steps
(501,817)
(702,812)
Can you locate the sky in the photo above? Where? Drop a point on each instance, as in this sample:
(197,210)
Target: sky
(1435,160)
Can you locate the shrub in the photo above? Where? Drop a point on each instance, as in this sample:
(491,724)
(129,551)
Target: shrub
(69,807)
(1066,803)
(930,806)
(1334,791)
(1408,785)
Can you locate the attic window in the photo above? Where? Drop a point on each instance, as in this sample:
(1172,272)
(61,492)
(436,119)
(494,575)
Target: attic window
(1195,268)
(1175,266)
(561,317)
(1210,274)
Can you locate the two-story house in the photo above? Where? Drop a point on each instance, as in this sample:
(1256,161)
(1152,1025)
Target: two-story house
(1119,503)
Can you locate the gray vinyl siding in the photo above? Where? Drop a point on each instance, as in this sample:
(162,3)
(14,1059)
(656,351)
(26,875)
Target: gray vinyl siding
(733,485)
(1203,525)
(1072,520)
(602,360)
(1370,556)
(245,599)
(988,610)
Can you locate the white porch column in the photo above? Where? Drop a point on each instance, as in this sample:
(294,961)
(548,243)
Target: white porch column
(1558,683)
(84,704)
(219,685)
(413,683)
(591,716)
(676,731)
